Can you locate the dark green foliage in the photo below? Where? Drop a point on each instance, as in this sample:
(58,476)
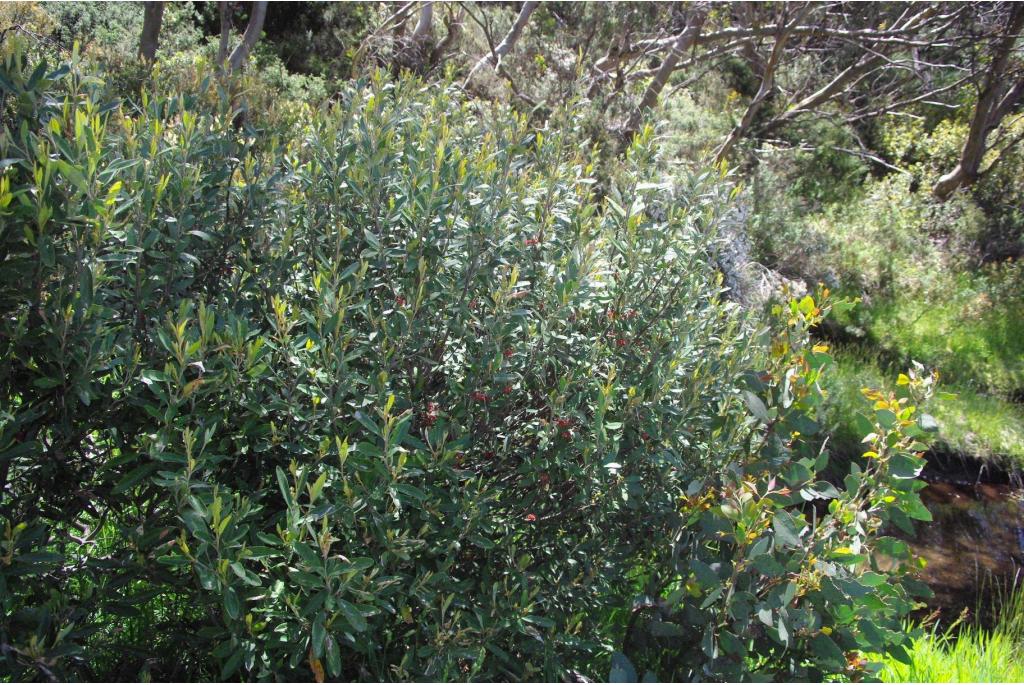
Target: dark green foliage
(390,393)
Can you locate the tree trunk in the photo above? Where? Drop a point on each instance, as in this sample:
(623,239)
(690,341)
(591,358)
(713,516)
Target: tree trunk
(454,26)
(152,19)
(422,32)
(509,41)
(994,102)
(225,34)
(683,42)
(249,38)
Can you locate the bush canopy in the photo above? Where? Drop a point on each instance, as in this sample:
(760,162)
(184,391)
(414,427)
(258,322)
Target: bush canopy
(402,388)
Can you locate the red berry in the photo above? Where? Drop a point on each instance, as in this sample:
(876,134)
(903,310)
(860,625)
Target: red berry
(480,396)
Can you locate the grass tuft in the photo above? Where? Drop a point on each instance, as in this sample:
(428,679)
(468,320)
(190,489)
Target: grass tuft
(967,653)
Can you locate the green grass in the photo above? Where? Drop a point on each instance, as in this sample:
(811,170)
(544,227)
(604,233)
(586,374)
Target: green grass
(972,656)
(967,331)
(967,653)
(972,422)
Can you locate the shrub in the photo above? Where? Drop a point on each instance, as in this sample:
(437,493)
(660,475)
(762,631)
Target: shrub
(390,393)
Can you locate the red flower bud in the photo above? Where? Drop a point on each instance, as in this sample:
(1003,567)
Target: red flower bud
(531,517)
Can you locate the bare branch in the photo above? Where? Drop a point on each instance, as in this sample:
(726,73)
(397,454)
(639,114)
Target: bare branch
(508,42)
(682,44)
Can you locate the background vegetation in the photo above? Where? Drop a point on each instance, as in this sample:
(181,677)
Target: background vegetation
(395,342)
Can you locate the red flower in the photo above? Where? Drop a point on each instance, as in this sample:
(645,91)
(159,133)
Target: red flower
(480,396)
(621,342)
(530,242)
(508,352)
(400,301)
(563,422)
(507,390)
(531,517)
(566,435)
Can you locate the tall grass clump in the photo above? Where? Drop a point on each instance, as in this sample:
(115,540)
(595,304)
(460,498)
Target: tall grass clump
(967,653)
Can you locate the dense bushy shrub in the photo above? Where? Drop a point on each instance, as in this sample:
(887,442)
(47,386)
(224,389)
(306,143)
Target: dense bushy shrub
(391,393)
